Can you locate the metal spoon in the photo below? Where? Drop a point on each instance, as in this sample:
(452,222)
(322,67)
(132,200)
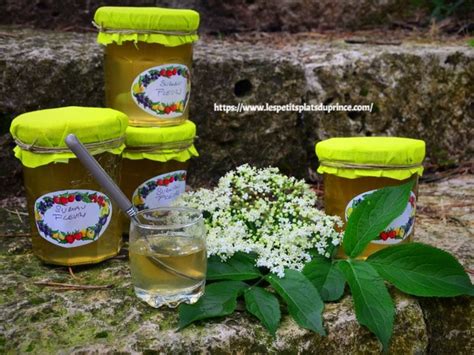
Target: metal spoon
(114,191)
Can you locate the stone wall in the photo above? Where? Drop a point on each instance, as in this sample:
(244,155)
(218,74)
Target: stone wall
(418,90)
(224,16)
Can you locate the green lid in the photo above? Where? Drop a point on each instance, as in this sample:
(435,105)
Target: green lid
(170,27)
(392,157)
(161,143)
(39,135)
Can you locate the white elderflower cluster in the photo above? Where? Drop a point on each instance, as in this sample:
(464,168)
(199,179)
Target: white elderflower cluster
(267,213)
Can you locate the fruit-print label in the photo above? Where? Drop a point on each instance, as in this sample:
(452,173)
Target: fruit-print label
(400,228)
(163,91)
(72,218)
(160,191)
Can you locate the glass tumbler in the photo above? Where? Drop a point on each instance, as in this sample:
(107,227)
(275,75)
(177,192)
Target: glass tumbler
(168,258)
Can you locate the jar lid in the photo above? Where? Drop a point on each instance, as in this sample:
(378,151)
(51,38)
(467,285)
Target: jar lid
(39,135)
(391,157)
(161,143)
(170,27)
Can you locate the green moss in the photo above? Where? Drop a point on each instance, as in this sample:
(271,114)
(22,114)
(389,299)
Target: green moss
(41,314)
(7,295)
(101,335)
(37,300)
(30,347)
(442,316)
(169,320)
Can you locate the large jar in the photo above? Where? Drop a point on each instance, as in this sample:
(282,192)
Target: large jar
(155,164)
(148,59)
(355,167)
(72,220)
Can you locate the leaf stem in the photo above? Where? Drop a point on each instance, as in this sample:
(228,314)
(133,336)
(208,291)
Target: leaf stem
(255,284)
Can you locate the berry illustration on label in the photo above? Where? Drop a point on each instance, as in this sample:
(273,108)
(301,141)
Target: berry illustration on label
(72,218)
(399,229)
(163,91)
(160,191)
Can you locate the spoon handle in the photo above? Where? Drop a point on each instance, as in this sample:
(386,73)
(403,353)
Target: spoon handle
(100,175)
(117,195)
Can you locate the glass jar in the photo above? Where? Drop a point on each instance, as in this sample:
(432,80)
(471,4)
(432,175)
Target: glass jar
(168,258)
(72,220)
(148,59)
(155,164)
(355,167)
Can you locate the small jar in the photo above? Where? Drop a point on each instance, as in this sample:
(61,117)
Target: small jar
(355,167)
(72,220)
(148,59)
(155,164)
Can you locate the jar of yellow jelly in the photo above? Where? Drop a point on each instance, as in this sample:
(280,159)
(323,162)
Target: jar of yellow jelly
(72,220)
(355,167)
(148,59)
(155,163)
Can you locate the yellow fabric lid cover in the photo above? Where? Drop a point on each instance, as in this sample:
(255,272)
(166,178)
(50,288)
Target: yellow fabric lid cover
(170,27)
(161,143)
(391,157)
(40,135)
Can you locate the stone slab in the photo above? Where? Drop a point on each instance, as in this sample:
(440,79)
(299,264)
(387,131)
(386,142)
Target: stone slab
(40,320)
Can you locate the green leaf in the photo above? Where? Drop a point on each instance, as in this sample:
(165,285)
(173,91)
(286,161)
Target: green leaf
(241,266)
(374,213)
(422,270)
(265,306)
(373,305)
(219,299)
(303,300)
(326,277)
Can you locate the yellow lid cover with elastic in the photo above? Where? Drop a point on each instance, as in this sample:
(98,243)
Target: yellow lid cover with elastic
(392,157)
(169,27)
(161,143)
(39,135)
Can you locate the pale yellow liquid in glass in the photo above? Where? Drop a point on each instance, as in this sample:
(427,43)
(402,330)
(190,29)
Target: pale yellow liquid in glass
(123,63)
(70,176)
(338,192)
(136,172)
(186,255)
